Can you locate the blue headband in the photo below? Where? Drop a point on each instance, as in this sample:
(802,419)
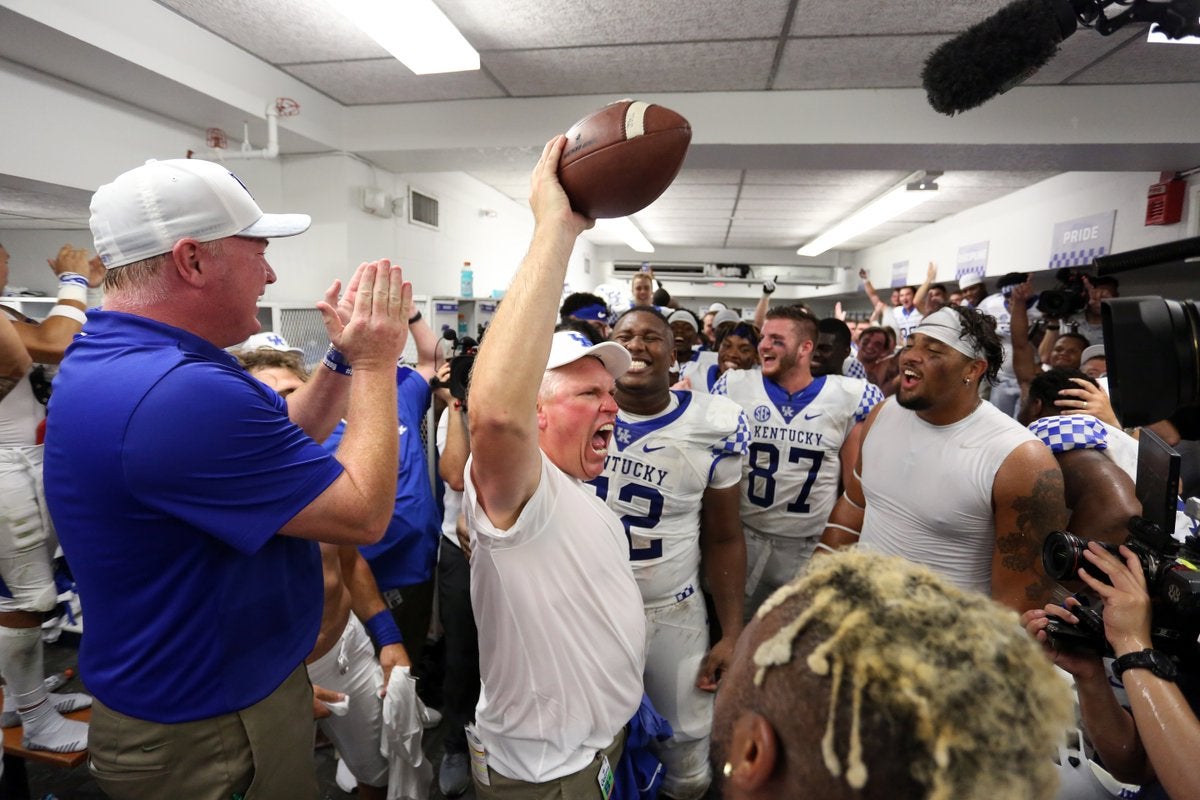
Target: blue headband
(592,313)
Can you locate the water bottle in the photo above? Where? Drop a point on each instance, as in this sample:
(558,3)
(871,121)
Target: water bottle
(58,679)
(467,289)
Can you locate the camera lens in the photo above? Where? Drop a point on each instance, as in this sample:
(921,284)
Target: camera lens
(1062,555)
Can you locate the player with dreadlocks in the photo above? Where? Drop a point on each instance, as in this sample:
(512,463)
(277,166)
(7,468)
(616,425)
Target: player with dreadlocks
(947,480)
(872,678)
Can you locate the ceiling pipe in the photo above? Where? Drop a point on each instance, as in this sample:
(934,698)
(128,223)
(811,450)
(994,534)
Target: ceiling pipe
(272,148)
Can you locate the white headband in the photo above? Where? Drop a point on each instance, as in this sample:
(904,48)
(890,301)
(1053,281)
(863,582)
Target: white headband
(945,325)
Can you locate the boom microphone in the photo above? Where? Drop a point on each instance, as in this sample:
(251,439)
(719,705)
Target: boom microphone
(996,54)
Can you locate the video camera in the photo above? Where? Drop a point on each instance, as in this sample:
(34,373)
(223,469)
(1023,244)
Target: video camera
(462,359)
(1172,569)
(1069,295)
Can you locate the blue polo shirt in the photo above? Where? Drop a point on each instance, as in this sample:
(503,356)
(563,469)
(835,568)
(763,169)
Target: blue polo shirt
(407,553)
(168,472)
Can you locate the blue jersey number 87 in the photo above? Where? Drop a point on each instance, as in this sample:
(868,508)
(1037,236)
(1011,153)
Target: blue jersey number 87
(630,491)
(764,463)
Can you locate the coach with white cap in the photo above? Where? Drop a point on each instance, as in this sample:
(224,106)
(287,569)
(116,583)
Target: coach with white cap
(561,627)
(186,493)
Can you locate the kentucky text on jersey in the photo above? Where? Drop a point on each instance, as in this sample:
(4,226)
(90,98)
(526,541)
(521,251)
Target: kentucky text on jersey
(619,465)
(787,435)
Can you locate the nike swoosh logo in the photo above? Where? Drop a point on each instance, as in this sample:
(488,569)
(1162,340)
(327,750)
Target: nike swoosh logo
(149,748)
(648,449)
(808,417)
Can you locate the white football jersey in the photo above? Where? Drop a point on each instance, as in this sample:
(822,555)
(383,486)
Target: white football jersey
(654,478)
(994,305)
(790,477)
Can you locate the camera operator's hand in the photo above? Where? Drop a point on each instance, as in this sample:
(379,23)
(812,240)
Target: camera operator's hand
(1083,667)
(1126,601)
(442,382)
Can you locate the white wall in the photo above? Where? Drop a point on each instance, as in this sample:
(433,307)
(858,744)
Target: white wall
(1018,227)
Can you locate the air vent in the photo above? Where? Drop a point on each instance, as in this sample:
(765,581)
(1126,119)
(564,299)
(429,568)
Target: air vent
(422,209)
(661,268)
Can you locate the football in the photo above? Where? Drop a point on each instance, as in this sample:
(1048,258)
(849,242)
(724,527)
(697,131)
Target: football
(618,160)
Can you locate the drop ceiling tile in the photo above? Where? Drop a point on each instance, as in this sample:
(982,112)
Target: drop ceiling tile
(824,177)
(869,62)
(691,176)
(281,31)
(386,80)
(714,191)
(633,70)
(1146,62)
(522,24)
(866,17)
(1086,51)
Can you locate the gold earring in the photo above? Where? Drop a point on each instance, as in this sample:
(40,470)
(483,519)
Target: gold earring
(727,770)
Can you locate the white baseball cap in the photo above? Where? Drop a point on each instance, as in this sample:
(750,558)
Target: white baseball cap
(969,280)
(568,347)
(146,210)
(715,307)
(1090,352)
(725,316)
(268,340)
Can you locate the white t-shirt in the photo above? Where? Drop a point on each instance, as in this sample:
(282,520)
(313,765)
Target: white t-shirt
(929,489)
(561,629)
(20,413)
(655,476)
(451,499)
(790,478)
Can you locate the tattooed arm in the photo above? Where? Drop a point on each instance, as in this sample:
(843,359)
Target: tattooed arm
(1027,500)
(14,358)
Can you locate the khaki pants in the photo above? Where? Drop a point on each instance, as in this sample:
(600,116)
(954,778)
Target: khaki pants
(264,752)
(581,785)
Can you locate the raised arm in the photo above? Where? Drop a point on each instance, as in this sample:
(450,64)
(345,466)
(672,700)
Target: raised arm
(870,290)
(427,346)
(923,289)
(764,302)
(47,341)
(1024,364)
(508,370)
(1028,503)
(357,507)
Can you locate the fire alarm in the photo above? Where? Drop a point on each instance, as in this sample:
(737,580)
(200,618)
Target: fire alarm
(1164,201)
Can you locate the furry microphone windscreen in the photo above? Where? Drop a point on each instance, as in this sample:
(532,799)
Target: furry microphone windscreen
(994,55)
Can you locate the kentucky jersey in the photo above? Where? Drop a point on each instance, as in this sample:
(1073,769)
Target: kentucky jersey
(790,476)
(654,478)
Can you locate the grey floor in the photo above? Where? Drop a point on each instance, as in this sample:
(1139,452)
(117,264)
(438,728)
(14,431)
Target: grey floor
(76,784)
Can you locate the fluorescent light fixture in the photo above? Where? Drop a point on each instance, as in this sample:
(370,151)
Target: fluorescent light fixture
(416,32)
(911,193)
(1158,37)
(629,233)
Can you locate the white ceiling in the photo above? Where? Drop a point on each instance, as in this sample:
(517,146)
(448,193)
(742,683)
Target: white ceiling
(727,196)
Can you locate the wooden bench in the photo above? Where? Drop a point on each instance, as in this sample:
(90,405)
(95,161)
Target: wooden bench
(15,783)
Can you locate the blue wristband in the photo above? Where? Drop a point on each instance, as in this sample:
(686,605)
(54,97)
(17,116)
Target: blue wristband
(383,630)
(337,362)
(72,278)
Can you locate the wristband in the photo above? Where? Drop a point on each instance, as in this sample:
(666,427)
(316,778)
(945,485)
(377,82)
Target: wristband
(70,312)
(415,318)
(72,286)
(337,362)
(383,630)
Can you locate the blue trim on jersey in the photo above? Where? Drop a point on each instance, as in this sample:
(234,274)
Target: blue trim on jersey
(626,433)
(713,374)
(790,405)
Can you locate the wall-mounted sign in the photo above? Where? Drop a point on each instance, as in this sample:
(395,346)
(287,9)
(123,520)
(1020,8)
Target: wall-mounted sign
(900,274)
(972,260)
(1077,241)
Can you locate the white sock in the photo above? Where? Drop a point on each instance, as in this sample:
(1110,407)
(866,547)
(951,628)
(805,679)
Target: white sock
(21,664)
(46,729)
(63,702)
